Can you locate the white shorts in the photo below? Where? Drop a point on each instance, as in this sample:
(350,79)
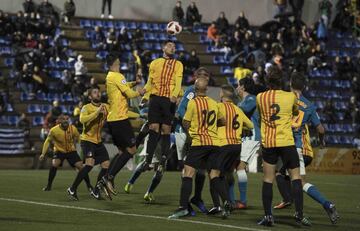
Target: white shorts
(249,150)
(180,138)
(302,163)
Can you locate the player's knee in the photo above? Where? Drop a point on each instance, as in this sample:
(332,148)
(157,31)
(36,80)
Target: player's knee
(214,173)
(188,171)
(56,163)
(241,166)
(165,129)
(105,164)
(90,162)
(78,165)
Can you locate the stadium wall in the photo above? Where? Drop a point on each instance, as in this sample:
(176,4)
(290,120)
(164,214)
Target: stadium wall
(257,11)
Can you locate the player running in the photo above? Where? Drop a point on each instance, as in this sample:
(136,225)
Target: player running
(63,137)
(230,139)
(201,122)
(307,115)
(93,116)
(276,109)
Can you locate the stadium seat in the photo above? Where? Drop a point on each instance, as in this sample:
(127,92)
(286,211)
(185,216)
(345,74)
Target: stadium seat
(85,23)
(3,120)
(12,120)
(102,55)
(226,70)
(56,74)
(9,62)
(154,27)
(119,24)
(98,23)
(45,108)
(34,108)
(157,46)
(131,25)
(143,26)
(180,47)
(37,121)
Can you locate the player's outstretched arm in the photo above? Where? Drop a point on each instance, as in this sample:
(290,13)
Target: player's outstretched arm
(86,117)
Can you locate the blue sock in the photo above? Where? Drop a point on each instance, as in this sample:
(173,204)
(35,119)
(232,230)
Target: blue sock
(313,192)
(231,193)
(242,183)
(135,175)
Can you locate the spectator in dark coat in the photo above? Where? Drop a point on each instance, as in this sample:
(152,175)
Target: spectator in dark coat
(296,6)
(29,7)
(242,22)
(46,9)
(192,15)
(19,22)
(69,11)
(193,61)
(222,23)
(178,13)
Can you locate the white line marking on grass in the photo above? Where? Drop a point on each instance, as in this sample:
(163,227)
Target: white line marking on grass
(131,214)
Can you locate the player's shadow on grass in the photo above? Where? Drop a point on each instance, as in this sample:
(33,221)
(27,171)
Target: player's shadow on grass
(18,219)
(287,220)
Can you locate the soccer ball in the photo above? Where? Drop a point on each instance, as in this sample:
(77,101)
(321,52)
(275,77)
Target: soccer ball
(173,28)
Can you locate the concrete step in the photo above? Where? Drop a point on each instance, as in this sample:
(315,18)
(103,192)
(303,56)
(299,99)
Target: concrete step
(80,44)
(88,55)
(74,34)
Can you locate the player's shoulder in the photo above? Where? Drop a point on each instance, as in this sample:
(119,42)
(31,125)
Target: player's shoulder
(211,101)
(86,107)
(55,128)
(178,63)
(157,60)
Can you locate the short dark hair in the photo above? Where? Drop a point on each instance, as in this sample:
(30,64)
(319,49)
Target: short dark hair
(110,59)
(297,81)
(228,91)
(248,84)
(274,78)
(167,41)
(89,90)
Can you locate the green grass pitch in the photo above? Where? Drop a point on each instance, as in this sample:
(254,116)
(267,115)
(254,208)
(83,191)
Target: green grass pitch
(33,209)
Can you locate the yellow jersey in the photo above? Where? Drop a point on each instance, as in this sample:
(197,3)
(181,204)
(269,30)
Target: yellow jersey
(64,141)
(236,120)
(276,109)
(165,77)
(118,91)
(203,113)
(92,122)
(306,149)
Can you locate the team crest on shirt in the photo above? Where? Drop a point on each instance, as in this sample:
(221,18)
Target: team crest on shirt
(123,81)
(190,95)
(90,154)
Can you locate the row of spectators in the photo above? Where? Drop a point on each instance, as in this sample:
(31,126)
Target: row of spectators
(292,46)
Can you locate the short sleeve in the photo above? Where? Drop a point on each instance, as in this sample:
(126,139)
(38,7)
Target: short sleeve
(189,111)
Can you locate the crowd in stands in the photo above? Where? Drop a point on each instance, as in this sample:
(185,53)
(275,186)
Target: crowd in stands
(293,46)
(45,63)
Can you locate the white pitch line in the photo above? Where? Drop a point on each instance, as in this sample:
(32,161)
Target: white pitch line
(131,214)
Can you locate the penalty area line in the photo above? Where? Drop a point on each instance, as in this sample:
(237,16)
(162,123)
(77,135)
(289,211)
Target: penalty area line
(130,214)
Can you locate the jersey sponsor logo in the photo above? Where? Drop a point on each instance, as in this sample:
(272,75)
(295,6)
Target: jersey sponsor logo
(123,81)
(190,96)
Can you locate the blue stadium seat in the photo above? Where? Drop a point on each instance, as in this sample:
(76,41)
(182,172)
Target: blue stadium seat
(9,107)
(157,46)
(102,55)
(56,74)
(89,34)
(154,27)
(13,74)
(65,42)
(204,39)
(226,70)
(162,26)
(64,109)
(149,36)
(38,121)
(119,24)
(143,26)
(41,96)
(180,47)
(162,37)
(12,120)
(3,120)
(9,62)
(85,23)
(131,25)
(108,24)
(4,40)
(34,108)
(98,23)
(45,108)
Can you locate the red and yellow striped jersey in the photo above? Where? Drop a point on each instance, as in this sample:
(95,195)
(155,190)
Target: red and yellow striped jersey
(63,141)
(235,121)
(165,77)
(92,122)
(276,109)
(203,113)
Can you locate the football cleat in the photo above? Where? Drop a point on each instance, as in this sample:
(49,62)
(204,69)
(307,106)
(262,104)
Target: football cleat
(267,221)
(47,188)
(282,205)
(200,205)
(332,213)
(72,194)
(239,205)
(301,220)
(181,212)
(227,208)
(128,187)
(149,197)
(214,210)
(191,210)
(96,193)
(108,185)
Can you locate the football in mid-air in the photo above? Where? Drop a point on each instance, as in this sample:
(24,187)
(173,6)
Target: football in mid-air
(173,28)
